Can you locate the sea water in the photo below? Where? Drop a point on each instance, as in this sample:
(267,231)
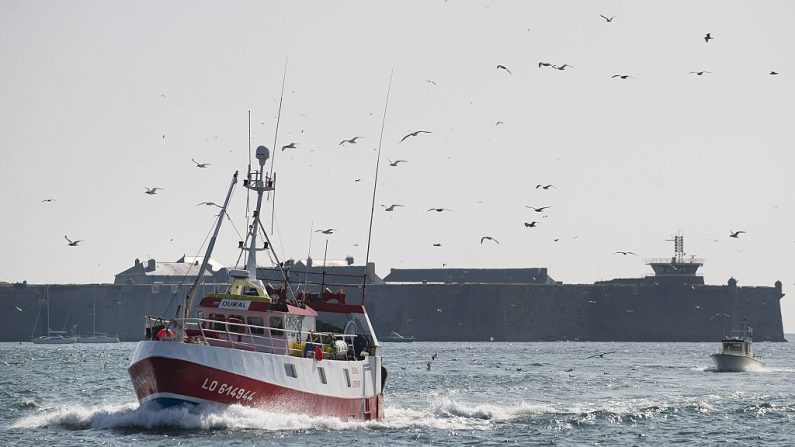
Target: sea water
(474,394)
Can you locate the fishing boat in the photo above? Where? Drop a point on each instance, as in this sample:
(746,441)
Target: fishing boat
(394,337)
(52,337)
(258,345)
(97,337)
(736,354)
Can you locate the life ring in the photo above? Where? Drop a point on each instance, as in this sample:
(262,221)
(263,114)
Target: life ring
(165,335)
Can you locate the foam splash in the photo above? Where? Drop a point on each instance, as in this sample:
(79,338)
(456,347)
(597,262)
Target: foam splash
(445,415)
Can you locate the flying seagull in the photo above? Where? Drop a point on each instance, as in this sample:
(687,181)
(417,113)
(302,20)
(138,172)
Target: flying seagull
(563,67)
(774,73)
(735,234)
(152,191)
(200,165)
(48,200)
(396,162)
(700,73)
(71,242)
(289,146)
(414,134)
(624,253)
(531,224)
(545,186)
(606,19)
(545,64)
(18,308)
(351,141)
(437,245)
(438,210)
(391,207)
(430,81)
(209,204)
(708,37)
(499,122)
(622,76)
(602,355)
(326,231)
(503,67)
(488,238)
(537,210)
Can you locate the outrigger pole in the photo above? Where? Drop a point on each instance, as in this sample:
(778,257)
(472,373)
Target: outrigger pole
(375,185)
(189,298)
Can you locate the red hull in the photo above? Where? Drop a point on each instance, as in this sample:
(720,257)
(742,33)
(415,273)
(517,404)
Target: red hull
(170,381)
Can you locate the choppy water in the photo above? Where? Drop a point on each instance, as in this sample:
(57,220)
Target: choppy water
(474,394)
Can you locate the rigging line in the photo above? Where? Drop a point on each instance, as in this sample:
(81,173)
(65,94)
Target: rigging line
(248,192)
(185,277)
(278,263)
(375,183)
(275,136)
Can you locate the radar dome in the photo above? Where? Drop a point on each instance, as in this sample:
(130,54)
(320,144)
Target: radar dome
(263,153)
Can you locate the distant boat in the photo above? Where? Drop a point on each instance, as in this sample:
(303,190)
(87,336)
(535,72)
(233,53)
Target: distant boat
(97,337)
(736,354)
(394,337)
(52,337)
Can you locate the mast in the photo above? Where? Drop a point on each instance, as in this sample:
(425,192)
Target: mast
(189,298)
(258,182)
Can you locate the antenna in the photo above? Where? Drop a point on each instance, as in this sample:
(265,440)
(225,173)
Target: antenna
(248,192)
(275,136)
(375,184)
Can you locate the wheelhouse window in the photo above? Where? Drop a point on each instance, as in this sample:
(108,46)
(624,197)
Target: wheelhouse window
(276,323)
(289,369)
(236,324)
(255,325)
(322,373)
(219,322)
(347,377)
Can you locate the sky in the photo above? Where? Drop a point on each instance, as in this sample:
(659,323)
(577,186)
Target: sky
(102,99)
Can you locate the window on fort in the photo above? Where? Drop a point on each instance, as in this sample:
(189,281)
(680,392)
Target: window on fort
(218,324)
(276,323)
(255,325)
(236,324)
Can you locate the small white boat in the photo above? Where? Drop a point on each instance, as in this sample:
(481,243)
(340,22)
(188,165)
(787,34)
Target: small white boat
(98,337)
(54,338)
(736,354)
(394,337)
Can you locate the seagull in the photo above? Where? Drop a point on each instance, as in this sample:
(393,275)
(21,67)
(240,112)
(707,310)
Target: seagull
(391,207)
(18,308)
(326,231)
(563,67)
(606,19)
(720,315)
(625,253)
(152,191)
(414,134)
(71,242)
(430,81)
(351,141)
(48,200)
(622,76)
(545,64)
(735,234)
(545,186)
(499,122)
(200,165)
(209,204)
(503,67)
(700,73)
(289,146)
(357,180)
(531,224)
(434,356)
(568,370)
(437,245)
(396,162)
(488,238)
(602,355)
(774,73)
(438,210)
(537,210)
(708,37)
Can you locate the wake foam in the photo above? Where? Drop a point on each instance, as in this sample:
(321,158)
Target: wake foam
(445,415)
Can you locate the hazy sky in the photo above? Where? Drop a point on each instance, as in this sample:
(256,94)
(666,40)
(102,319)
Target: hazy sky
(102,99)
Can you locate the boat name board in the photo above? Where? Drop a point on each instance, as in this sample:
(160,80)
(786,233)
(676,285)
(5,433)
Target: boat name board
(234,304)
(232,391)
